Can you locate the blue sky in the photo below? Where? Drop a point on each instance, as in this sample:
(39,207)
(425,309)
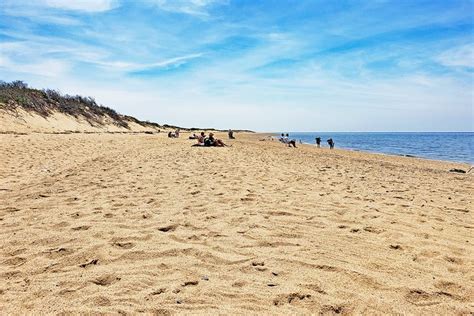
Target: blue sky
(263,65)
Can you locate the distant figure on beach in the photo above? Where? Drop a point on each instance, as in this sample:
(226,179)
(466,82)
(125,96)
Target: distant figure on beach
(318,142)
(211,141)
(285,139)
(201,139)
(231,134)
(331,143)
(173,134)
(194,136)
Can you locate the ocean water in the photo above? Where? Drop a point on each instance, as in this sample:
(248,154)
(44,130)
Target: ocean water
(452,146)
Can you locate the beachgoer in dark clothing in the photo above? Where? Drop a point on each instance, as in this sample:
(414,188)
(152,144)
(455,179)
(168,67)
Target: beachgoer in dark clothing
(331,143)
(231,134)
(291,142)
(211,141)
(318,141)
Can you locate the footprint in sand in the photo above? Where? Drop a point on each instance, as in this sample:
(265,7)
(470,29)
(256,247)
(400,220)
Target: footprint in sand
(374,230)
(159,291)
(59,252)
(334,310)
(290,298)
(15,261)
(101,301)
(90,263)
(168,228)
(106,280)
(453,260)
(421,298)
(123,245)
(84,227)
(192,282)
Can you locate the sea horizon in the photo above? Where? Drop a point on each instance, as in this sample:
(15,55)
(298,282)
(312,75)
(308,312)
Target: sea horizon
(453,147)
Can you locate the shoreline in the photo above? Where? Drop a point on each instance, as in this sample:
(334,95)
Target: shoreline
(237,132)
(382,153)
(466,164)
(400,155)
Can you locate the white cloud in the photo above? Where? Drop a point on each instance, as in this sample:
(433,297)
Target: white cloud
(44,68)
(191,7)
(125,66)
(81,5)
(461,56)
(39,8)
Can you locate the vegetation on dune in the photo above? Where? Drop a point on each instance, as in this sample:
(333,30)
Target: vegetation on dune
(47,101)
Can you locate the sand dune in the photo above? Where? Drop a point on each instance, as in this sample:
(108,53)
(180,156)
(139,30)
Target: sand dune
(142,223)
(21,121)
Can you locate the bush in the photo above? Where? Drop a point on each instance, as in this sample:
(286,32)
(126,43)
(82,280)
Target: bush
(44,102)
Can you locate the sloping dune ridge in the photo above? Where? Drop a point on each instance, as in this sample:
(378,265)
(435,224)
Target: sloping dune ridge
(130,223)
(18,120)
(29,110)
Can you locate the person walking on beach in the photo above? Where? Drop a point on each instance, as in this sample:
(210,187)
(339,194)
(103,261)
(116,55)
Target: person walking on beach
(331,143)
(318,142)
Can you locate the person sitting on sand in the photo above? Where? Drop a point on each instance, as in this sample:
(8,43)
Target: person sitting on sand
(201,138)
(283,139)
(331,143)
(231,134)
(286,140)
(176,133)
(292,143)
(212,141)
(193,136)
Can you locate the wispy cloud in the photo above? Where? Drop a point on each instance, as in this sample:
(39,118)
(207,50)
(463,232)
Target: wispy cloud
(132,67)
(46,67)
(13,6)
(462,56)
(191,7)
(81,5)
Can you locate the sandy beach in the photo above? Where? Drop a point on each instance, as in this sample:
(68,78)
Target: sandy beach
(122,223)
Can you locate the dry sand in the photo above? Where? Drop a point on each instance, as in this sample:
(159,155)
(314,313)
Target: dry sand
(143,223)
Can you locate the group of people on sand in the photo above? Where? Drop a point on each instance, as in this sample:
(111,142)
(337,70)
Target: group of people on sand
(331,143)
(174,134)
(285,139)
(208,141)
